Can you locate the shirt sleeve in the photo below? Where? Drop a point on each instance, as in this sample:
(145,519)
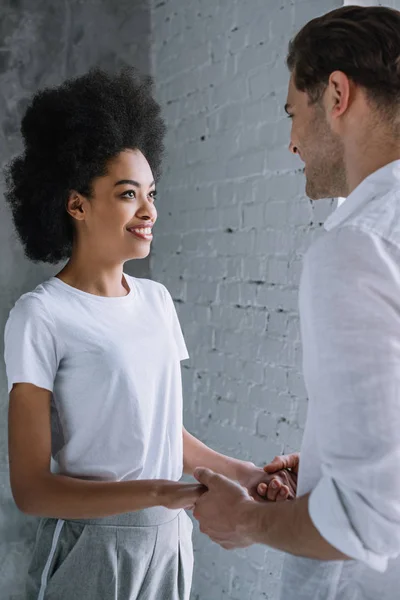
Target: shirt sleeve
(351,353)
(30,345)
(175,326)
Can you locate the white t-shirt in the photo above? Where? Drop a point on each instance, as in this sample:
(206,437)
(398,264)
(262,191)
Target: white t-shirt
(113,367)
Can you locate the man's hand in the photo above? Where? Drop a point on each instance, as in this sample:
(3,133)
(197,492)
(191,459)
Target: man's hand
(224,510)
(278,486)
(176,495)
(286,461)
(289,465)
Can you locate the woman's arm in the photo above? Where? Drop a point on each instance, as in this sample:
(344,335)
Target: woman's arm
(70,498)
(38,492)
(196,454)
(254,479)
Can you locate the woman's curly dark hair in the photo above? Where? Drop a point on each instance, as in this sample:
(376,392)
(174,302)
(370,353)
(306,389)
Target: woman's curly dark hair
(70,133)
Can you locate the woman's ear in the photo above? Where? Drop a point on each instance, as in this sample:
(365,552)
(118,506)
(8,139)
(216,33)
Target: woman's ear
(76,206)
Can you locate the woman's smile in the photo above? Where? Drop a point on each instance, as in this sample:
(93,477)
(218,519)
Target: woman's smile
(143,233)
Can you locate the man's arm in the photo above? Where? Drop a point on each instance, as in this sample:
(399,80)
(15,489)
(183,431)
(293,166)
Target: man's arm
(349,307)
(289,528)
(232,519)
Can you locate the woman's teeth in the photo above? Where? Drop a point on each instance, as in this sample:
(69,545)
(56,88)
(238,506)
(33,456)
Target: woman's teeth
(144,231)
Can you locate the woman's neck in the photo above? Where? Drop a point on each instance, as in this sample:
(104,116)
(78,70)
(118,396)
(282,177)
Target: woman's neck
(95,279)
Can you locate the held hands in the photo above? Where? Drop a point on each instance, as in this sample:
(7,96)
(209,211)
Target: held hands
(287,467)
(263,486)
(229,513)
(275,482)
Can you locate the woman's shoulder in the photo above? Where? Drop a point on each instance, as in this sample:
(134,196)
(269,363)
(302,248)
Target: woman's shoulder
(34,302)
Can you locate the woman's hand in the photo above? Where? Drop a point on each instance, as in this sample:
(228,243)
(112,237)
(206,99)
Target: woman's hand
(286,467)
(177,495)
(260,485)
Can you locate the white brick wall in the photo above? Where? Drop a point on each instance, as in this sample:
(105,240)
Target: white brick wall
(233,226)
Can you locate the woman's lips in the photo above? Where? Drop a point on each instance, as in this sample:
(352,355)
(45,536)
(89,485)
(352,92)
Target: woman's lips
(142,233)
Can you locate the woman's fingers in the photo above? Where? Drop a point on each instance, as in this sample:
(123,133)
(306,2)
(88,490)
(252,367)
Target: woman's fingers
(284,493)
(271,490)
(262,489)
(274,489)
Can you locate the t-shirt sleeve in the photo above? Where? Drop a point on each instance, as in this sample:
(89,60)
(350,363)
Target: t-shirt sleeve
(30,345)
(175,326)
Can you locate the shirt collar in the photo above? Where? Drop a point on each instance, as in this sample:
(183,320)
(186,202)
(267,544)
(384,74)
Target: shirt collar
(381,180)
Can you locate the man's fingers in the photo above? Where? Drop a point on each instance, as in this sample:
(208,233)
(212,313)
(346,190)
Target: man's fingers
(204,475)
(199,490)
(286,461)
(275,465)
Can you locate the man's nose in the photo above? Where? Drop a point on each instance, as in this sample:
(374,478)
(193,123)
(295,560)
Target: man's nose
(292,148)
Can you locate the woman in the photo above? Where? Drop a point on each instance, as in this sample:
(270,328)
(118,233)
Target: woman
(93,355)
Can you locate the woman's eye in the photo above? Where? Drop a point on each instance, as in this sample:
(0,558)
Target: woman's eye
(129,194)
(153,194)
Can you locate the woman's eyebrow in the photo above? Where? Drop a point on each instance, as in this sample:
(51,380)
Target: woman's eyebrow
(131,182)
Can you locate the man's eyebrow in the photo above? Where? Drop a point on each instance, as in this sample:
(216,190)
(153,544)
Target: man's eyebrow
(130,182)
(287,108)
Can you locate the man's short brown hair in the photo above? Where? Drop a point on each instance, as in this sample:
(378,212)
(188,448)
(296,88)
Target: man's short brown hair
(362,42)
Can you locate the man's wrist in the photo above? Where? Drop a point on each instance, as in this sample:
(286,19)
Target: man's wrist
(253,521)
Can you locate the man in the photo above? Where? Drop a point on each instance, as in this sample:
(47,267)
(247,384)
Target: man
(342,532)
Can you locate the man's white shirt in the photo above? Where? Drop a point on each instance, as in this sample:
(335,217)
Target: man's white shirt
(350,457)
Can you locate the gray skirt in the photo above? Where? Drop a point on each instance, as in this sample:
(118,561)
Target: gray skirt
(144,555)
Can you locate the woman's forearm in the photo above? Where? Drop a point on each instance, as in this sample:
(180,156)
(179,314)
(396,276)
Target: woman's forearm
(197,454)
(65,497)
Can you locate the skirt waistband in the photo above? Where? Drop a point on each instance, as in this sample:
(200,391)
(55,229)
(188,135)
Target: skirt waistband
(149,517)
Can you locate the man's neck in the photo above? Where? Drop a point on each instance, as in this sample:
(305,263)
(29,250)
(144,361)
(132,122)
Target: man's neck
(361,165)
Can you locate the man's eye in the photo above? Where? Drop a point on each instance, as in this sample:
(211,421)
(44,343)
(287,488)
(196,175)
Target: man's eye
(129,194)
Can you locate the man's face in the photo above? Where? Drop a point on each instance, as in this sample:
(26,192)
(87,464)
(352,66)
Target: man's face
(318,147)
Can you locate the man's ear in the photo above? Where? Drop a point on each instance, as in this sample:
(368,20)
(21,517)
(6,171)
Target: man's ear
(338,94)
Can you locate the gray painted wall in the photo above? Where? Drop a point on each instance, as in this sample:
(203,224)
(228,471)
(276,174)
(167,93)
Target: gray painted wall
(41,43)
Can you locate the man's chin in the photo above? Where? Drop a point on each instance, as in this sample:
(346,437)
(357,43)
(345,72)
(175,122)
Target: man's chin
(310,191)
(314,193)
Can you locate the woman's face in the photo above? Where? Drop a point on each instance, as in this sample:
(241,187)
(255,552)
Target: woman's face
(115,224)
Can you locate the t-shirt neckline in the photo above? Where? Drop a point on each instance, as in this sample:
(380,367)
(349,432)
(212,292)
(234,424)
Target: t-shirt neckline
(105,299)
